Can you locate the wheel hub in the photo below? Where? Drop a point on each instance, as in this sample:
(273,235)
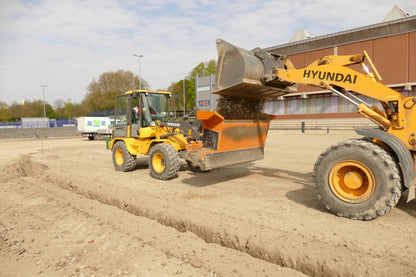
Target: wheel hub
(158,162)
(119,156)
(351,181)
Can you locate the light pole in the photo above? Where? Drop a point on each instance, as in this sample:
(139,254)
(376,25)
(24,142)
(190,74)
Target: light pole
(44,109)
(184,100)
(140,69)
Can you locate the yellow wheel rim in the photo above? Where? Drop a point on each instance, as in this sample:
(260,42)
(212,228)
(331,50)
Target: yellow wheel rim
(352,181)
(119,156)
(158,162)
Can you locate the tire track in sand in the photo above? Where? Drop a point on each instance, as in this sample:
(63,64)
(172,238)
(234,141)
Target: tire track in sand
(71,231)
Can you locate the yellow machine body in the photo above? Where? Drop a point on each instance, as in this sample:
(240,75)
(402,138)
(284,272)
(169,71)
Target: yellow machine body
(138,139)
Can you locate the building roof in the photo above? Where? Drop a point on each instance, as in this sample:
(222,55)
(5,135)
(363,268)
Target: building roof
(301,35)
(379,30)
(395,13)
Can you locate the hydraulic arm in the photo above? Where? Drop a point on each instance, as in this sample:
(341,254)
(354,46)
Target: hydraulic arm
(332,73)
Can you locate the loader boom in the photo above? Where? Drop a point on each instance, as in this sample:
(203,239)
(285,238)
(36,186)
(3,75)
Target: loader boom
(333,74)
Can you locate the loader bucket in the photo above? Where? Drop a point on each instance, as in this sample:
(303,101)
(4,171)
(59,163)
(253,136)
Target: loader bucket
(252,74)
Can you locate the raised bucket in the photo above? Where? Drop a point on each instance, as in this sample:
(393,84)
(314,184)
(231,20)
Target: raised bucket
(245,73)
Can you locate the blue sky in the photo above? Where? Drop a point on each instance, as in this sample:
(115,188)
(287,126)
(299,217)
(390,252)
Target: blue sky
(66,44)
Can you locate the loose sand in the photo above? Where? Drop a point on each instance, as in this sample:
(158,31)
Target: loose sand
(65,211)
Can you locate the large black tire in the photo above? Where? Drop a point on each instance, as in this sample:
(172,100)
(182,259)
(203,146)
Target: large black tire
(164,161)
(357,179)
(122,159)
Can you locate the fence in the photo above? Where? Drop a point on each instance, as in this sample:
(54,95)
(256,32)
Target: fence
(39,124)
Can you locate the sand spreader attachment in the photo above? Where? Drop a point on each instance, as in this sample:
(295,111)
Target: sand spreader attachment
(252,74)
(227,142)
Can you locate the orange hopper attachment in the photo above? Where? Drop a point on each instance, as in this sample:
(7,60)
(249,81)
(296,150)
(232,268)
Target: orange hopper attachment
(227,142)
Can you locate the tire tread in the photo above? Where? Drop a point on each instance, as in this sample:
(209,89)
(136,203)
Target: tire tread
(129,160)
(390,167)
(172,161)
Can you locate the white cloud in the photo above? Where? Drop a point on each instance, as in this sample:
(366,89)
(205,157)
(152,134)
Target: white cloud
(65,44)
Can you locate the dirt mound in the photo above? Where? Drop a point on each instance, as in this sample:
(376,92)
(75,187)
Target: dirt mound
(23,167)
(232,107)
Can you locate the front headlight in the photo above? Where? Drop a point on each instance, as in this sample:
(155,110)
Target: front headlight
(152,124)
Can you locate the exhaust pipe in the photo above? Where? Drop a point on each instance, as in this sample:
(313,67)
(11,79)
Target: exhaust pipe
(251,74)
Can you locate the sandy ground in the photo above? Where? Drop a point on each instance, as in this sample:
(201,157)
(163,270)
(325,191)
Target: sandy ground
(65,211)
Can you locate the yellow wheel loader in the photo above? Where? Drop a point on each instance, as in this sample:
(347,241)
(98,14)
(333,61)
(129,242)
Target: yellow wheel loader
(143,126)
(359,178)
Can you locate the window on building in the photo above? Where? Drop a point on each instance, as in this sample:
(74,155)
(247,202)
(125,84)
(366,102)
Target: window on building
(321,103)
(268,107)
(326,107)
(347,107)
(279,107)
(410,93)
(302,106)
(334,104)
(297,105)
(292,105)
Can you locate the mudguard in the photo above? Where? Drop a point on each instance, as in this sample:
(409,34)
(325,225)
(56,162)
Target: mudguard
(407,164)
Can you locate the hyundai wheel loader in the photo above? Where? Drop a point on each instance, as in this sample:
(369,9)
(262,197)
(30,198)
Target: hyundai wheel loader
(357,178)
(143,126)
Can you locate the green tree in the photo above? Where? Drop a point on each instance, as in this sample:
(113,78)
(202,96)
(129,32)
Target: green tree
(33,109)
(15,112)
(26,109)
(59,108)
(50,112)
(68,108)
(202,69)
(189,94)
(77,110)
(102,92)
(30,109)
(4,112)
(176,102)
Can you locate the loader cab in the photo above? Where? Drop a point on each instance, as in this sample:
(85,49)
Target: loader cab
(136,111)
